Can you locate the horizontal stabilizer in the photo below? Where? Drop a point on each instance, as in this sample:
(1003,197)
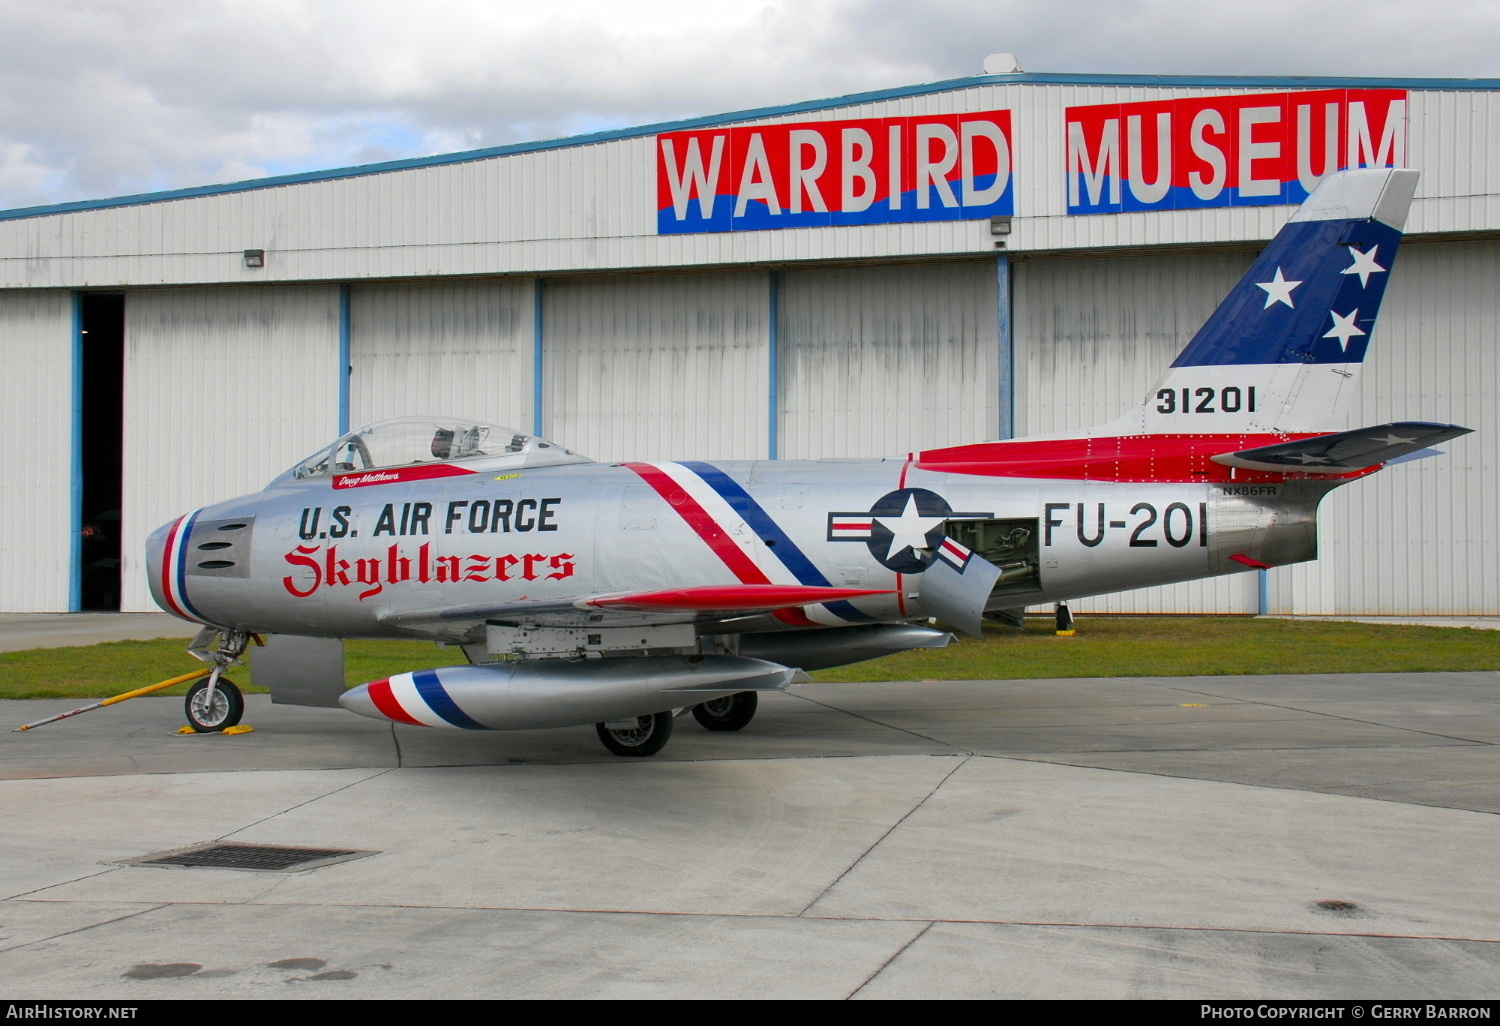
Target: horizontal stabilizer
(676,605)
(1345,451)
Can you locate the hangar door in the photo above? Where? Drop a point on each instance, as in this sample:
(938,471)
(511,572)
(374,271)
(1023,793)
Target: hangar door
(883,360)
(459,348)
(658,366)
(1092,336)
(224,389)
(36,430)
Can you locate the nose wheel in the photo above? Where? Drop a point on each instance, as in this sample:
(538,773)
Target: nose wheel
(216,704)
(210,711)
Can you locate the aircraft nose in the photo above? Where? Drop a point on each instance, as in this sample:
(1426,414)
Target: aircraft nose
(156,568)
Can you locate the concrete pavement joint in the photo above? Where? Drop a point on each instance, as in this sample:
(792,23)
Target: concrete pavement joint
(61,883)
(879,723)
(886,964)
(1304,789)
(1049,924)
(1315,712)
(294,808)
(83,929)
(865,854)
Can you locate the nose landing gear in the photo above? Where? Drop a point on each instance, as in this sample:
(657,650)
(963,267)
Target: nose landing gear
(216,704)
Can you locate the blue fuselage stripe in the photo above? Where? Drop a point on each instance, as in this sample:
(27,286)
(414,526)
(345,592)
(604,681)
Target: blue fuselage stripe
(438,700)
(784,549)
(181,569)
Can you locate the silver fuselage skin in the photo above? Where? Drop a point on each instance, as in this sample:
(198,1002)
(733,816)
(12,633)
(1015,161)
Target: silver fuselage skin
(305,558)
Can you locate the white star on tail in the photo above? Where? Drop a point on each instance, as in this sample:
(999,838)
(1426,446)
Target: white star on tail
(909,530)
(1344,328)
(1278,290)
(1364,265)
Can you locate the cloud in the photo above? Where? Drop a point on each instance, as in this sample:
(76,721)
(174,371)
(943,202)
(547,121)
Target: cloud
(103,98)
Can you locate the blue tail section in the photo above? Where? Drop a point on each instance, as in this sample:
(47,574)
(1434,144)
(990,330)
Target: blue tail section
(1300,302)
(1314,294)
(1283,351)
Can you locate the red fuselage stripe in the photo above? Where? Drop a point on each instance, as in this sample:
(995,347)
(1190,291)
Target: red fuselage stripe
(713,536)
(699,520)
(168,551)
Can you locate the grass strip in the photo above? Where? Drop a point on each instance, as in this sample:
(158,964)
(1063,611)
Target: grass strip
(1154,646)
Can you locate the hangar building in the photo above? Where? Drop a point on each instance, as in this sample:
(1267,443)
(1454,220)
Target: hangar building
(860,276)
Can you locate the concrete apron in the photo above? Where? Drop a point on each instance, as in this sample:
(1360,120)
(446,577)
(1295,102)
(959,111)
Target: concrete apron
(1140,837)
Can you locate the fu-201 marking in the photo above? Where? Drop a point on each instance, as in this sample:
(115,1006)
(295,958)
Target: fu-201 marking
(1179,525)
(1229,399)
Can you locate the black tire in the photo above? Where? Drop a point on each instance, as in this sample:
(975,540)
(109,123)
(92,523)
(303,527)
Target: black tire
(225,712)
(647,738)
(732,713)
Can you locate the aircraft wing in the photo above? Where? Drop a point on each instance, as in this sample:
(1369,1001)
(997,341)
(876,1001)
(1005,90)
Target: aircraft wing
(623,609)
(1345,451)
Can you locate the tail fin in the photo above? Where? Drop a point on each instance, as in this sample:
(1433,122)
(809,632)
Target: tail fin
(1283,350)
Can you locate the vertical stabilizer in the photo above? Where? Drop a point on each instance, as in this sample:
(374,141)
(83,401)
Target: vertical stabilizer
(1283,350)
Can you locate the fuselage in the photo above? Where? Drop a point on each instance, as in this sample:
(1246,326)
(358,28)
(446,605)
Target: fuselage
(336,556)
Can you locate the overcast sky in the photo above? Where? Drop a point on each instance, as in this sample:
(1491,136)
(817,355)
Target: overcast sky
(108,97)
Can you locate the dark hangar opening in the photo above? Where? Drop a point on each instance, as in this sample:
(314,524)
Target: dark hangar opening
(103,325)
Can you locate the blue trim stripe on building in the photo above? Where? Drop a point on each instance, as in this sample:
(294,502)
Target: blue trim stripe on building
(345,358)
(1007,383)
(75,494)
(754,114)
(538,352)
(773,412)
(784,549)
(438,700)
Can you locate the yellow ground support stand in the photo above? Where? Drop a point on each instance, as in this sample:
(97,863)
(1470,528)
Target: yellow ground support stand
(120,698)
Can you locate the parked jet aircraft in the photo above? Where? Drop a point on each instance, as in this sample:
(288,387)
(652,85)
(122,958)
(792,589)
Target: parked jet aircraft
(614,594)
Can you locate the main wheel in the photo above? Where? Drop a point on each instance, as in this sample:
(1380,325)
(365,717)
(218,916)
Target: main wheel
(732,713)
(645,737)
(223,710)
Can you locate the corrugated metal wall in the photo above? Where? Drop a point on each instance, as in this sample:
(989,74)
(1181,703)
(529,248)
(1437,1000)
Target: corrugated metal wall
(658,367)
(36,431)
(881,361)
(1092,335)
(224,389)
(593,206)
(1420,538)
(461,348)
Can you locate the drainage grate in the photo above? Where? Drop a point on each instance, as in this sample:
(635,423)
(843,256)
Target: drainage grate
(268,858)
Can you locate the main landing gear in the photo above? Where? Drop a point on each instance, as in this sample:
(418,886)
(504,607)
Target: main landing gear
(216,704)
(732,713)
(638,735)
(641,736)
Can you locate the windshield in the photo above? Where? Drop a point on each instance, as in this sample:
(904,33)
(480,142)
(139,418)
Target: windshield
(404,441)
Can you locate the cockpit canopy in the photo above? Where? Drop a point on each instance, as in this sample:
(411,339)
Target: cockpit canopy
(407,441)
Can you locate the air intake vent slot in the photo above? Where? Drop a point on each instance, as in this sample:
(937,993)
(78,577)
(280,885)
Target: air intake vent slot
(234,550)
